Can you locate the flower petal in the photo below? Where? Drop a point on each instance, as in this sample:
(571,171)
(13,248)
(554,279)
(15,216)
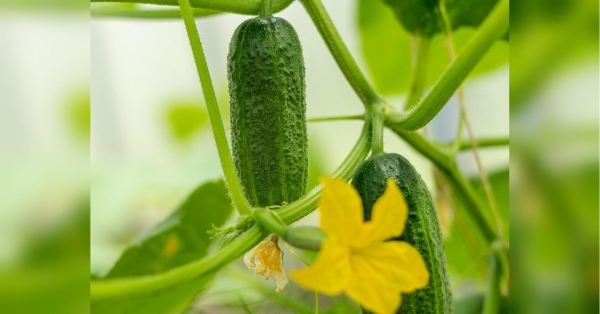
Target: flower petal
(330,272)
(371,289)
(397,262)
(341,210)
(388,218)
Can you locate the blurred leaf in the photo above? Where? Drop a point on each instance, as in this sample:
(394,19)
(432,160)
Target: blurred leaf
(185,118)
(466,251)
(418,16)
(424,18)
(386,47)
(316,166)
(51,274)
(500,187)
(78,114)
(472,303)
(548,39)
(179,239)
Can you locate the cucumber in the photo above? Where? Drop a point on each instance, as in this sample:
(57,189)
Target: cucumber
(422,227)
(268,111)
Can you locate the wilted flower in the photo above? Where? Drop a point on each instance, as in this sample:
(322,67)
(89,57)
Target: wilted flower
(267,260)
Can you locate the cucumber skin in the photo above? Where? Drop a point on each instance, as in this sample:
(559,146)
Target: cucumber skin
(422,227)
(268,111)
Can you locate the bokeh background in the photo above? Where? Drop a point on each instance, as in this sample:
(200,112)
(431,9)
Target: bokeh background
(80,183)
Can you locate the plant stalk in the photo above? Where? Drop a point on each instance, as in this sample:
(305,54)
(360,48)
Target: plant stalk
(233,184)
(340,52)
(248,7)
(419,74)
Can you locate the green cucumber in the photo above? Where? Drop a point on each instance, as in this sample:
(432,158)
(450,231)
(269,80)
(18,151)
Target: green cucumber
(268,111)
(422,227)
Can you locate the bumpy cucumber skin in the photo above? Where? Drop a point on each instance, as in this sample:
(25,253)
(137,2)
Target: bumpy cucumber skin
(422,227)
(268,111)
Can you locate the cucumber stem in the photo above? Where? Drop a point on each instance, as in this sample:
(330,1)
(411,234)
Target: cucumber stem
(305,237)
(266,218)
(377,133)
(265,9)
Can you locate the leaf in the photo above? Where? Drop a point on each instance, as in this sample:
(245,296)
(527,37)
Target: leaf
(424,17)
(386,47)
(185,118)
(466,251)
(418,16)
(472,303)
(180,239)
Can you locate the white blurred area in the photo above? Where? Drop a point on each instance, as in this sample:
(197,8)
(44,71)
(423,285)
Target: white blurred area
(44,156)
(140,174)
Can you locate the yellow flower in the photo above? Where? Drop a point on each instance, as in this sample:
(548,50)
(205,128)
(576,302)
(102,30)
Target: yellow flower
(356,258)
(267,260)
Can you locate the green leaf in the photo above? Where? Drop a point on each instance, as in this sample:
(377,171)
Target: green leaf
(180,239)
(420,17)
(386,47)
(466,251)
(424,17)
(472,303)
(185,118)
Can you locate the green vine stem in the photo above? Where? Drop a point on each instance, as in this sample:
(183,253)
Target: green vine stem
(121,12)
(337,118)
(266,218)
(305,237)
(265,9)
(340,52)
(464,120)
(378,119)
(491,303)
(248,7)
(130,287)
(494,26)
(422,47)
(233,184)
(103,290)
(484,142)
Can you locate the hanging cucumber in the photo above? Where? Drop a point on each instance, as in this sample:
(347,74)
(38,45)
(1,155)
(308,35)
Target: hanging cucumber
(268,111)
(422,228)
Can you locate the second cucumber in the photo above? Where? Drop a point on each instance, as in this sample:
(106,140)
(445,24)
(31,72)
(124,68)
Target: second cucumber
(268,111)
